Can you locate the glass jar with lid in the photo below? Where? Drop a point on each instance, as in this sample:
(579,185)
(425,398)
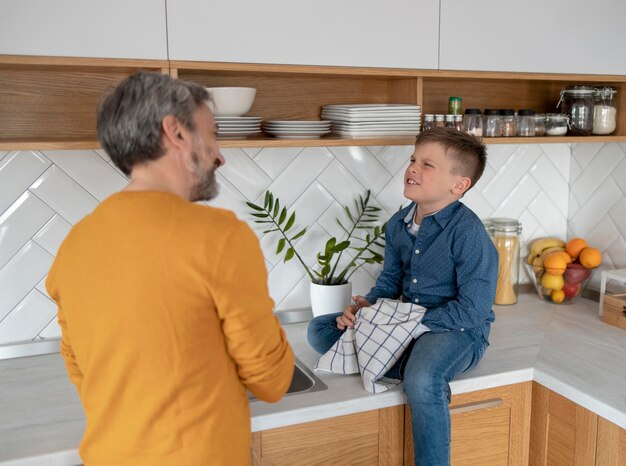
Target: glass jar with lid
(556,124)
(492,123)
(429,121)
(458,122)
(577,103)
(473,122)
(439,121)
(509,123)
(506,236)
(540,124)
(526,122)
(604,111)
(449,122)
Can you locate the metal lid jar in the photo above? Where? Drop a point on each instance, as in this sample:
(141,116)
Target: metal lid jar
(506,234)
(604,111)
(526,122)
(509,122)
(492,124)
(556,124)
(473,122)
(577,103)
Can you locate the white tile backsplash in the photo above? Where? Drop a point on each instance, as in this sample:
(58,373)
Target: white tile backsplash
(535,183)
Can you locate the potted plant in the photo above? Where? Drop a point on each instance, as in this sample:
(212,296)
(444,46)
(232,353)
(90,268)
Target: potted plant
(331,289)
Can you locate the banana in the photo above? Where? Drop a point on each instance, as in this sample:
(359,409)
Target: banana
(538,261)
(540,245)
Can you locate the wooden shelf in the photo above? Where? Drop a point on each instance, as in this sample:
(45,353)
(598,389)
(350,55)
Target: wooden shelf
(50,102)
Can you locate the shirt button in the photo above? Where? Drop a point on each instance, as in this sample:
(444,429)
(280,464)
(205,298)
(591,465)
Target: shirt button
(417,300)
(462,330)
(417,251)
(415,280)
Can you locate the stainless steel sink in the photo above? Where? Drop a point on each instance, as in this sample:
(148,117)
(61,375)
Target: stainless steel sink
(304,381)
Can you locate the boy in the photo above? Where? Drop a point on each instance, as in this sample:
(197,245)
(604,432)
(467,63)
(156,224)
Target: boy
(438,255)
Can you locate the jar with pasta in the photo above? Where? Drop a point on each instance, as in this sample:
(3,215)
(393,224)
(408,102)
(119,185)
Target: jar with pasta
(505,234)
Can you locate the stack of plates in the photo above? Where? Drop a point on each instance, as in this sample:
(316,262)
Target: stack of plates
(296,129)
(374,120)
(236,127)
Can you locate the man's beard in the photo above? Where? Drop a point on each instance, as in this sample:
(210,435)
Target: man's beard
(206,188)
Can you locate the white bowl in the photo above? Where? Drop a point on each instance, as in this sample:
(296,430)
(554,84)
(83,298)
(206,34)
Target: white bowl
(231,101)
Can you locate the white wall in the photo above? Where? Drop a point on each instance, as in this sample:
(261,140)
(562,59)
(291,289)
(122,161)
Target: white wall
(43,193)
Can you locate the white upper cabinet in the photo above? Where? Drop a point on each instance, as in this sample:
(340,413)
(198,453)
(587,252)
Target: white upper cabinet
(550,36)
(87,28)
(370,33)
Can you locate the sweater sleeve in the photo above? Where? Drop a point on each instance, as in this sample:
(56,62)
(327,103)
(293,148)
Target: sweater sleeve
(254,338)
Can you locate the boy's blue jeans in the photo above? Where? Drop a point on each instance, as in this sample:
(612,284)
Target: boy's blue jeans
(426,369)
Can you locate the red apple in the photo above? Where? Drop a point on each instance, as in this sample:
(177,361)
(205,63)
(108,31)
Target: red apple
(571,289)
(575,273)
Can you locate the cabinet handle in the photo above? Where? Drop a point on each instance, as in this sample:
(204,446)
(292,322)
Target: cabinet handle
(476,406)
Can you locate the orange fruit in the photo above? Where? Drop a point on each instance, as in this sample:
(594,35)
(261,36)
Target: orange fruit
(552,282)
(555,263)
(574,246)
(590,258)
(566,256)
(558,296)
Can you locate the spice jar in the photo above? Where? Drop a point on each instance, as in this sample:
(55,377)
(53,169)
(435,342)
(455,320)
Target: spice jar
(556,124)
(578,106)
(429,121)
(439,121)
(492,123)
(473,122)
(604,111)
(449,122)
(505,234)
(526,122)
(509,123)
(458,122)
(540,124)
(454,105)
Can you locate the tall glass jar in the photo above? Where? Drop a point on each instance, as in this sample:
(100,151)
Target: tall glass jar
(429,121)
(604,111)
(506,236)
(473,122)
(540,124)
(578,104)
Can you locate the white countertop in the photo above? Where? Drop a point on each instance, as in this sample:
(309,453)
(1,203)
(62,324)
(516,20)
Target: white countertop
(565,348)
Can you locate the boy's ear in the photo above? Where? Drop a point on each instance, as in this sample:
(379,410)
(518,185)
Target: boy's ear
(461,185)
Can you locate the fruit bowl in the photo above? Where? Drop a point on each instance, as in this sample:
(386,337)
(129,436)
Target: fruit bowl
(560,289)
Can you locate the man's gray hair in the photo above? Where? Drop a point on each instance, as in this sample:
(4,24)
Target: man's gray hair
(129,123)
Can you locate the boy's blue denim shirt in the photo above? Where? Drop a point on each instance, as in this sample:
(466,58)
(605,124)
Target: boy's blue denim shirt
(450,267)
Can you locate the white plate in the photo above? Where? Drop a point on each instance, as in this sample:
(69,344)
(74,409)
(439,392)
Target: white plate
(238,133)
(289,128)
(239,125)
(234,118)
(370,117)
(297,134)
(371,107)
(296,122)
(372,134)
(375,125)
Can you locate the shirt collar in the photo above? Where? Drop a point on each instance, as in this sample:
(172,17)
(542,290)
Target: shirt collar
(442,217)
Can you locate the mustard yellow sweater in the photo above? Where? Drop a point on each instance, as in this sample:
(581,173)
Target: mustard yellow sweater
(166,320)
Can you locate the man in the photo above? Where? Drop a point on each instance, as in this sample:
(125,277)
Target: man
(163,303)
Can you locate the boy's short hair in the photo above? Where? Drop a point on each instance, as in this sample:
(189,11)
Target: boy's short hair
(468,154)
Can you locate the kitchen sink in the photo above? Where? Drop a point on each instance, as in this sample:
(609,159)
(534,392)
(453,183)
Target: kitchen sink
(304,381)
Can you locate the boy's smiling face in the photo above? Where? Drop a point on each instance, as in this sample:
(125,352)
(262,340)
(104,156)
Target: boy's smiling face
(429,179)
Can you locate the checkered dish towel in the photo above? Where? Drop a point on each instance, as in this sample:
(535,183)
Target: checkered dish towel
(381,334)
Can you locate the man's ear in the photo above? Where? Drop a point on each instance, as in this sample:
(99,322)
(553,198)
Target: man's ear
(461,185)
(174,133)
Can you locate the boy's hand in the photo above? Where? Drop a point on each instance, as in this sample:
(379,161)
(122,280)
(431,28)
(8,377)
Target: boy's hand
(348,319)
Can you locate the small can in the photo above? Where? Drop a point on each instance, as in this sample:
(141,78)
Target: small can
(454,105)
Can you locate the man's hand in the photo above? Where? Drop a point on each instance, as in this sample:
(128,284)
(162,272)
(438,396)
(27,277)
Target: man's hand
(348,319)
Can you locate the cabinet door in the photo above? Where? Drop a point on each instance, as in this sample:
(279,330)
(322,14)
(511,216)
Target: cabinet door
(611,448)
(401,34)
(72,28)
(558,36)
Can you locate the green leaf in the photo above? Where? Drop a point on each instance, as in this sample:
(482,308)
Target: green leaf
(382,245)
(348,213)
(342,227)
(302,232)
(289,254)
(281,245)
(259,215)
(292,219)
(263,221)
(330,245)
(326,270)
(266,203)
(254,206)
(373,209)
(270,204)
(271,230)
(283,215)
(377,231)
(276,208)
(341,246)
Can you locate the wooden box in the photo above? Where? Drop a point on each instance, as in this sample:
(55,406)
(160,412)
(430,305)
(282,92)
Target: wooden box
(614,310)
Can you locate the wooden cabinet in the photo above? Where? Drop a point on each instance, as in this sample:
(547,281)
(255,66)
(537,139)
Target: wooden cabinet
(111,29)
(489,427)
(611,445)
(365,33)
(533,36)
(369,438)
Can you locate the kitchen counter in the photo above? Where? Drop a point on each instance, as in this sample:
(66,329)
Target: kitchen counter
(565,348)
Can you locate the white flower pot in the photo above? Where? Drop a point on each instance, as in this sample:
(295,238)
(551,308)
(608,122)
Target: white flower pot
(329,299)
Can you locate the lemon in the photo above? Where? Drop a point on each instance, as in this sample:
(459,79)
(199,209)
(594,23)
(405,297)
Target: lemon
(552,282)
(558,296)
